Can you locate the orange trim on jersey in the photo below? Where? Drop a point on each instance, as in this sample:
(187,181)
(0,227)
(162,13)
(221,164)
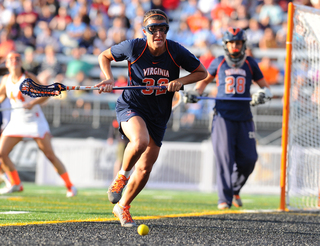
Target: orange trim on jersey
(249,66)
(141,53)
(171,55)
(196,68)
(234,31)
(217,77)
(129,71)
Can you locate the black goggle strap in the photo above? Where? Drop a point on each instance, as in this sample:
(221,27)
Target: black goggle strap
(148,27)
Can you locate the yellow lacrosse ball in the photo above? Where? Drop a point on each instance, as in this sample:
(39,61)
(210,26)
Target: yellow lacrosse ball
(143,230)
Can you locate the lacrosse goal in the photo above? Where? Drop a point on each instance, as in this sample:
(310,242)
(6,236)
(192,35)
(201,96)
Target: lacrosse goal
(300,161)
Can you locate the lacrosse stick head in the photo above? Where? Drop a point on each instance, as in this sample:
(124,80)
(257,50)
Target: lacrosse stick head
(32,89)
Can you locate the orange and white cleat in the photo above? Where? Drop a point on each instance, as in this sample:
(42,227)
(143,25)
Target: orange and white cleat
(11,189)
(237,201)
(123,214)
(223,205)
(116,188)
(72,192)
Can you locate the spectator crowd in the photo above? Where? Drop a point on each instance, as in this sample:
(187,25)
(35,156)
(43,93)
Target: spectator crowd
(77,27)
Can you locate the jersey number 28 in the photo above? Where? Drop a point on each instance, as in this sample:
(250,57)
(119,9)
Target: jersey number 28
(235,85)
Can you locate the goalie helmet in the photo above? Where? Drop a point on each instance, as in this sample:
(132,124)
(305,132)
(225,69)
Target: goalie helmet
(235,59)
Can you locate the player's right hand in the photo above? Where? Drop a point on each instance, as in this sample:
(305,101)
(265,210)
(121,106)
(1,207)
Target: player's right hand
(191,96)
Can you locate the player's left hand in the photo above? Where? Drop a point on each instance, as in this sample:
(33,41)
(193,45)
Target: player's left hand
(261,96)
(174,86)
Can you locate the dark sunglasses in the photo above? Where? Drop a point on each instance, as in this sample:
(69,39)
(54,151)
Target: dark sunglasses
(155,27)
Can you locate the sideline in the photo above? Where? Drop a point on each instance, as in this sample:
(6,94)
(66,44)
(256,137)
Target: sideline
(140,217)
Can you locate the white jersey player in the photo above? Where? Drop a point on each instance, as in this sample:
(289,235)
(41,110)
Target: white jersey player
(29,123)
(27,120)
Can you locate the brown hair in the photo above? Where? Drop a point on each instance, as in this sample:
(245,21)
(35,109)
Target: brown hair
(155,14)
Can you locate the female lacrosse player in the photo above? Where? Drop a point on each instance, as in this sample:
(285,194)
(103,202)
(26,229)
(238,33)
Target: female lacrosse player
(232,133)
(26,121)
(143,114)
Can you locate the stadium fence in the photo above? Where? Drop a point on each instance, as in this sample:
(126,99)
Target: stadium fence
(180,166)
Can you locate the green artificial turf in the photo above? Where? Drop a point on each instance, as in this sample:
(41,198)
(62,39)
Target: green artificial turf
(49,203)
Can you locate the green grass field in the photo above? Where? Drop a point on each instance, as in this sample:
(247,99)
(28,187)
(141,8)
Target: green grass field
(48,204)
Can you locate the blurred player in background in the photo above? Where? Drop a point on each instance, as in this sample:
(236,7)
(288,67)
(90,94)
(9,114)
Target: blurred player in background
(28,121)
(143,114)
(233,131)
(4,119)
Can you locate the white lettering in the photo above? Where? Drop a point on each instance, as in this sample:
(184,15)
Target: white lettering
(155,71)
(233,71)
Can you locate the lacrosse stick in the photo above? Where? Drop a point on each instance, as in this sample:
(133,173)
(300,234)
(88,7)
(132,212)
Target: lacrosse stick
(32,89)
(4,109)
(227,98)
(192,96)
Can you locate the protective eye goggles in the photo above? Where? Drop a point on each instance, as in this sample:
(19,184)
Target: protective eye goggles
(155,27)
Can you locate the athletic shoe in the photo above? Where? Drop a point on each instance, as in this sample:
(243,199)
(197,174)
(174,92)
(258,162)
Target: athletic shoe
(116,188)
(11,189)
(4,178)
(237,201)
(72,192)
(123,214)
(223,205)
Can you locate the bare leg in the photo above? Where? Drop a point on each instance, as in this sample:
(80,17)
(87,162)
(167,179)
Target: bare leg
(141,174)
(5,178)
(46,147)
(116,168)
(121,146)
(6,145)
(136,130)
(141,153)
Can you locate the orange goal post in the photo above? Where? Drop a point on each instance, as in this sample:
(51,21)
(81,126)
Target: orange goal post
(300,160)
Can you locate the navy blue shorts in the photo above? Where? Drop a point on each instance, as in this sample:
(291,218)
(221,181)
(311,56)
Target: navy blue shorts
(156,132)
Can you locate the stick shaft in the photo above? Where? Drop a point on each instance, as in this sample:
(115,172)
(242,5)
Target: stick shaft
(4,109)
(227,98)
(69,88)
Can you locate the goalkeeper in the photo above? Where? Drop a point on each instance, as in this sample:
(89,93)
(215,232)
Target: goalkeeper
(232,133)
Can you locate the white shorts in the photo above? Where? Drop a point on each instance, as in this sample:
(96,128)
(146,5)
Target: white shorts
(22,125)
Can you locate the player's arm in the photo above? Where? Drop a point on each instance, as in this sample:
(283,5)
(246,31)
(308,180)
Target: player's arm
(262,83)
(3,94)
(105,59)
(35,101)
(191,96)
(202,84)
(198,74)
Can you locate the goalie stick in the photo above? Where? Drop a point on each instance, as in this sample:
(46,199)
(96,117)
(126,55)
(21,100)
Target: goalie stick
(32,89)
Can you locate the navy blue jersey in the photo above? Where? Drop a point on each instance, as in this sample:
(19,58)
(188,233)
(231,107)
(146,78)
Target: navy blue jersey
(234,82)
(148,70)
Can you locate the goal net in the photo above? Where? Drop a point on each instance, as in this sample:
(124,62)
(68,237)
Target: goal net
(301,125)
